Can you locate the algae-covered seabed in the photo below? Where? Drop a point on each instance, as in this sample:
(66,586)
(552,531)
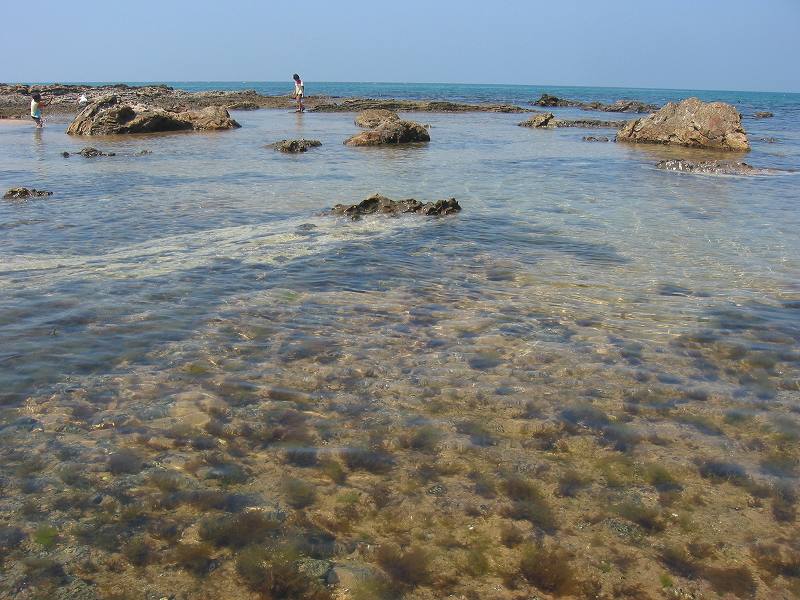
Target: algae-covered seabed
(482,406)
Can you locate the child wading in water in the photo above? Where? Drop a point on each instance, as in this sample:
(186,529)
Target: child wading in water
(36,108)
(298,92)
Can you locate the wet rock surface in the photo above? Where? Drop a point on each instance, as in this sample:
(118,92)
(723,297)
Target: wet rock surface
(378,204)
(110,115)
(593,138)
(23,193)
(627,106)
(763,115)
(541,120)
(389,133)
(692,123)
(714,167)
(90,152)
(371,118)
(295,146)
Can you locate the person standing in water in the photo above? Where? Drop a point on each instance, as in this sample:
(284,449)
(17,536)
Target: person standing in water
(36,108)
(298,92)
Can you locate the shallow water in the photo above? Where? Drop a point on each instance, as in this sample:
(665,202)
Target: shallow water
(168,303)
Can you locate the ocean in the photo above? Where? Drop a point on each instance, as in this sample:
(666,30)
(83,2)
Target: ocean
(595,363)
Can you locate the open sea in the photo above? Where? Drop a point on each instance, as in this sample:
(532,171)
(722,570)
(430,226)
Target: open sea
(596,360)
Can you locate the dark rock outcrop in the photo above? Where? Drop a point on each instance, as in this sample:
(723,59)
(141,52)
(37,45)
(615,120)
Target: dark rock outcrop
(769,140)
(295,146)
(592,138)
(548,121)
(538,121)
(390,132)
(378,204)
(25,193)
(372,117)
(713,167)
(763,115)
(626,106)
(108,115)
(693,123)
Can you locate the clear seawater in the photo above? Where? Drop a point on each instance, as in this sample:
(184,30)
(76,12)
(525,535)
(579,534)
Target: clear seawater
(149,287)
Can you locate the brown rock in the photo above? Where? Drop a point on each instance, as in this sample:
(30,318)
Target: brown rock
(108,115)
(693,123)
(391,132)
(372,117)
(763,115)
(592,138)
(378,204)
(631,106)
(25,193)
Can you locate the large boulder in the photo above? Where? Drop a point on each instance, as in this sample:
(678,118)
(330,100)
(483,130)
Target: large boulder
(108,115)
(390,132)
(372,117)
(714,125)
(378,204)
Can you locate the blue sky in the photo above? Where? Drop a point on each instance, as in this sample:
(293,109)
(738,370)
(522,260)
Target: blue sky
(697,44)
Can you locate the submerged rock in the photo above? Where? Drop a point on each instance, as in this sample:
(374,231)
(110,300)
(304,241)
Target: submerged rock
(693,123)
(768,140)
(23,193)
(90,152)
(629,106)
(713,167)
(763,115)
(592,138)
(372,117)
(108,115)
(390,132)
(295,146)
(378,204)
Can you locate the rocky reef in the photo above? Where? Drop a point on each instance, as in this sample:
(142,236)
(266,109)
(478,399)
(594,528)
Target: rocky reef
(110,116)
(378,204)
(619,106)
(692,123)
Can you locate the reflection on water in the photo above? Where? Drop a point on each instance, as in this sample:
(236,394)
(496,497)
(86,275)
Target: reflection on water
(584,384)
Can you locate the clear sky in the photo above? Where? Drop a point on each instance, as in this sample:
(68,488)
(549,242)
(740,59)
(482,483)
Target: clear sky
(691,44)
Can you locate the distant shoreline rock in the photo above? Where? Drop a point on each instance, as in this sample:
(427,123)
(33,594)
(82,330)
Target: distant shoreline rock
(378,204)
(763,115)
(362,104)
(618,106)
(691,123)
(110,116)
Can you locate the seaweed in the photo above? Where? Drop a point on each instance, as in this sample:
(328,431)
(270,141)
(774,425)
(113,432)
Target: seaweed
(373,461)
(301,457)
(548,569)
(528,503)
(410,567)
(571,483)
(46,536)
(124,462)
(299,493)
(195,558)
(274,573)
(138,551)
(240,530)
